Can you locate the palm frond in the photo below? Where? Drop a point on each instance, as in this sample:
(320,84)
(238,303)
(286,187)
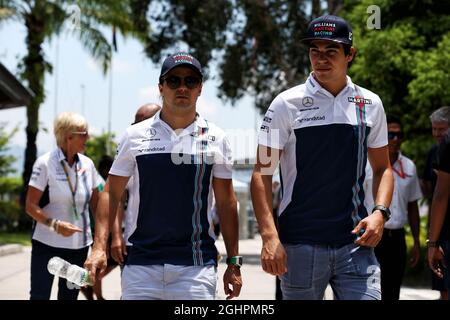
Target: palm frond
(95,42)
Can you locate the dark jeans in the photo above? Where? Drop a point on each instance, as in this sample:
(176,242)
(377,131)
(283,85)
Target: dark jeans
(391,254)
(42,280)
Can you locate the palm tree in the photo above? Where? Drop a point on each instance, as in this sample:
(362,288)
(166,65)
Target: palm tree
(45,19)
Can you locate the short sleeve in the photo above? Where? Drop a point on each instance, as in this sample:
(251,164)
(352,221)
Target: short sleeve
(124,162)
(415,193)
(223,165)
(39,176)
(276,126)
(378,133)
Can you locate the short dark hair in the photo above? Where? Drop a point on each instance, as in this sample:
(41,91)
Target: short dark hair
(347,48)
(104,165)
(394,119)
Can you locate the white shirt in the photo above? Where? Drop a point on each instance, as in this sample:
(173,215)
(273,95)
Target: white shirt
(324,139)
(48,171)
(170,196)
(406,189)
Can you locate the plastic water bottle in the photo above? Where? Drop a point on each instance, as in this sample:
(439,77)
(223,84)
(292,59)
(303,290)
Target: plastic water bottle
(73,273)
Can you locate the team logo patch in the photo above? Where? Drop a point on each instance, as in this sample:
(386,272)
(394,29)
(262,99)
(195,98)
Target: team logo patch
(308,102)
(150,132)
(359,101)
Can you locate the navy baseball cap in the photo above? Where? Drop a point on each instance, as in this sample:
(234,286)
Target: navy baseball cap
(180,59)
(329,27)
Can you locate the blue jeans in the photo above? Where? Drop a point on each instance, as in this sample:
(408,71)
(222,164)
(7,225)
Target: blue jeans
(352,271)
(42,280)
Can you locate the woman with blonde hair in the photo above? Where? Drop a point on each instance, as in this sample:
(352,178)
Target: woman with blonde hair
(61,188)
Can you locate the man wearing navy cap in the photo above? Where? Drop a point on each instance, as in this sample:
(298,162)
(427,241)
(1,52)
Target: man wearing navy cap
(322,133)
(177,158)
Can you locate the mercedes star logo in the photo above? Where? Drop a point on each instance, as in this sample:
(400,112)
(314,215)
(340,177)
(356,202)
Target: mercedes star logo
(308,102)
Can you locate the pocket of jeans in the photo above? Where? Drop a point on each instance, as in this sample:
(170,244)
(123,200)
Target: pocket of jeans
(300,264)
(364,261)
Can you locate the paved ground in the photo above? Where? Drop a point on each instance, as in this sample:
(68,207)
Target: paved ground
(258,285)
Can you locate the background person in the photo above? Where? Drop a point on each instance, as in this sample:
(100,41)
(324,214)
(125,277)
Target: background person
(391,250)
(125,218)
(439,253)
(323,132)
(104,166)
(179,159)
(440,123)
(62,187)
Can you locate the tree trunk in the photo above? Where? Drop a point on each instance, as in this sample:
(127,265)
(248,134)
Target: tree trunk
(33,72)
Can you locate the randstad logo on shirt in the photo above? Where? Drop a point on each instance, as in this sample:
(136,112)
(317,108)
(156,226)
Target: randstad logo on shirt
(154,149)
(311,119)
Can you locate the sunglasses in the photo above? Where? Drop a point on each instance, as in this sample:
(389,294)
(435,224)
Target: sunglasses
(191,82)
(392,135)
(81,133)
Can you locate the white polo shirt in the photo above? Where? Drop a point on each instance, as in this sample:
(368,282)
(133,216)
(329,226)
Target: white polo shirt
(48,171)
(324,139)
(169,210)
(406,189)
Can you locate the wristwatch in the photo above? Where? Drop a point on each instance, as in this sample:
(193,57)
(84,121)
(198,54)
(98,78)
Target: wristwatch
(432,244)
(51,223)
(235,261)
(384,211)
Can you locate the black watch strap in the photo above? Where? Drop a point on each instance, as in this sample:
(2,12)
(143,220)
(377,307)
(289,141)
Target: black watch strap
(384,211)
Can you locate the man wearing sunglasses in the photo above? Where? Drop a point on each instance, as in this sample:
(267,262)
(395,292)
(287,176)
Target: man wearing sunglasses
(177,159)
(322,133)
(391,250)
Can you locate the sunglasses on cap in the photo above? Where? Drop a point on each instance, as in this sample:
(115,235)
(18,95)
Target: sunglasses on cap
(392,135)
(174,82)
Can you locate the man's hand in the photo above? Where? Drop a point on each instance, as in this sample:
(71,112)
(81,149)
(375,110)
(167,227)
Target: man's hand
(415,255)
(436,260)
(66,229)
(118,248)
(96,264)
(273,257)
(373,230)
(232,277)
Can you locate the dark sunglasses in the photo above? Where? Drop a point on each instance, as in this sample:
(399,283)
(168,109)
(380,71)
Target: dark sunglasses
(174,82)
(392,135)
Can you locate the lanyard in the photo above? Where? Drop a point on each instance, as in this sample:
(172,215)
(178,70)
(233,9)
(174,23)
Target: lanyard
(73,189)
(401,174)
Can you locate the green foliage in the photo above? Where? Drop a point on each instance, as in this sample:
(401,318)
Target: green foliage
(23,238)
(406,63)
(45,19)
(12,217)
(96,147)
(5,160)
(264,54)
